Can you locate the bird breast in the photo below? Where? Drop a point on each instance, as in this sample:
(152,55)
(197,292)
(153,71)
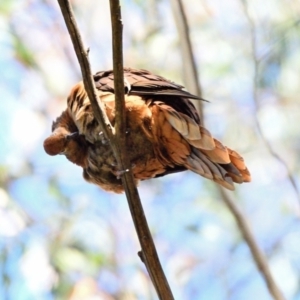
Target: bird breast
(139,140)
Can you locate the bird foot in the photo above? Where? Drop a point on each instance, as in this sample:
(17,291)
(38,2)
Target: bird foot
(72,135)
(103,140)
(120,173)
(127,86)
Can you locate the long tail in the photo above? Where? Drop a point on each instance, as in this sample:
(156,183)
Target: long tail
(191,145)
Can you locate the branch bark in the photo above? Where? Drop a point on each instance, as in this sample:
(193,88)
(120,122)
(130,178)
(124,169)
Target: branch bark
(240,219)
(82,56)
(148,255)
(117,137)
(255,97)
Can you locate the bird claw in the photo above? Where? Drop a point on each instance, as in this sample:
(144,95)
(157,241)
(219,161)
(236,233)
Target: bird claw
(72,135)
(127,86)
(103,140)
(120,173)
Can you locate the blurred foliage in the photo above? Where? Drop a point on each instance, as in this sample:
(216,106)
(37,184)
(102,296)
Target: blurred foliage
(62,238)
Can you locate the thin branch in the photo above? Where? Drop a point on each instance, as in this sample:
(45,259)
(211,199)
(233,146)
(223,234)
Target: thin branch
(117,46)
(118,141)
(148,254)
(191,78)
(88,80)
(255,97)
(257,254)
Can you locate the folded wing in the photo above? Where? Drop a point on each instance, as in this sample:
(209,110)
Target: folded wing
(179,140)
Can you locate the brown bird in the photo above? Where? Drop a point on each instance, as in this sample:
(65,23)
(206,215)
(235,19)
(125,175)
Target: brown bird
(164,134)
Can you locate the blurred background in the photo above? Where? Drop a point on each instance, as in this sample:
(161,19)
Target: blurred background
(62,238)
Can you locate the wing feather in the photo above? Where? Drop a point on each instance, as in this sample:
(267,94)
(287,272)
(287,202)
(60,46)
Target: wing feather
(208,156)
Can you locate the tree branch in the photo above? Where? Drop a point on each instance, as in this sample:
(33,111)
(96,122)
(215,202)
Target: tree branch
(118,141)
(88,80)
(256,100)
(257,254)
(191,80)
(148,254)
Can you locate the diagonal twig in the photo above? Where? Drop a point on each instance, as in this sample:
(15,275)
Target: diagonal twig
(82,56)
(191,80)
(117,137)
(256,60)
(257,254)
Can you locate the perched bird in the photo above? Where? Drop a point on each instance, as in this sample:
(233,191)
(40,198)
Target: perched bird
(164,134)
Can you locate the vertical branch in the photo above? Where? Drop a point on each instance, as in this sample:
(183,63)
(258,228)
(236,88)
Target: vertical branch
(190,71)
(258,257)
(255,97)
(117,45)
(148,254)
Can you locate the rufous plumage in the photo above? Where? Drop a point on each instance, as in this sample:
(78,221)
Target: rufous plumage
(163,131)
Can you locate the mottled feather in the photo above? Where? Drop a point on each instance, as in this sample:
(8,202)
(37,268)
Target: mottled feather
(164,134)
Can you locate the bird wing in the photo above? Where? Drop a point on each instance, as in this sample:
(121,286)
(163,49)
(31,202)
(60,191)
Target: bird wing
(149,86)
(179,140)
(142,83)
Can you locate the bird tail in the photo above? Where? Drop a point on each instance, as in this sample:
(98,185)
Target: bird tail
(224,174)
(206,156)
